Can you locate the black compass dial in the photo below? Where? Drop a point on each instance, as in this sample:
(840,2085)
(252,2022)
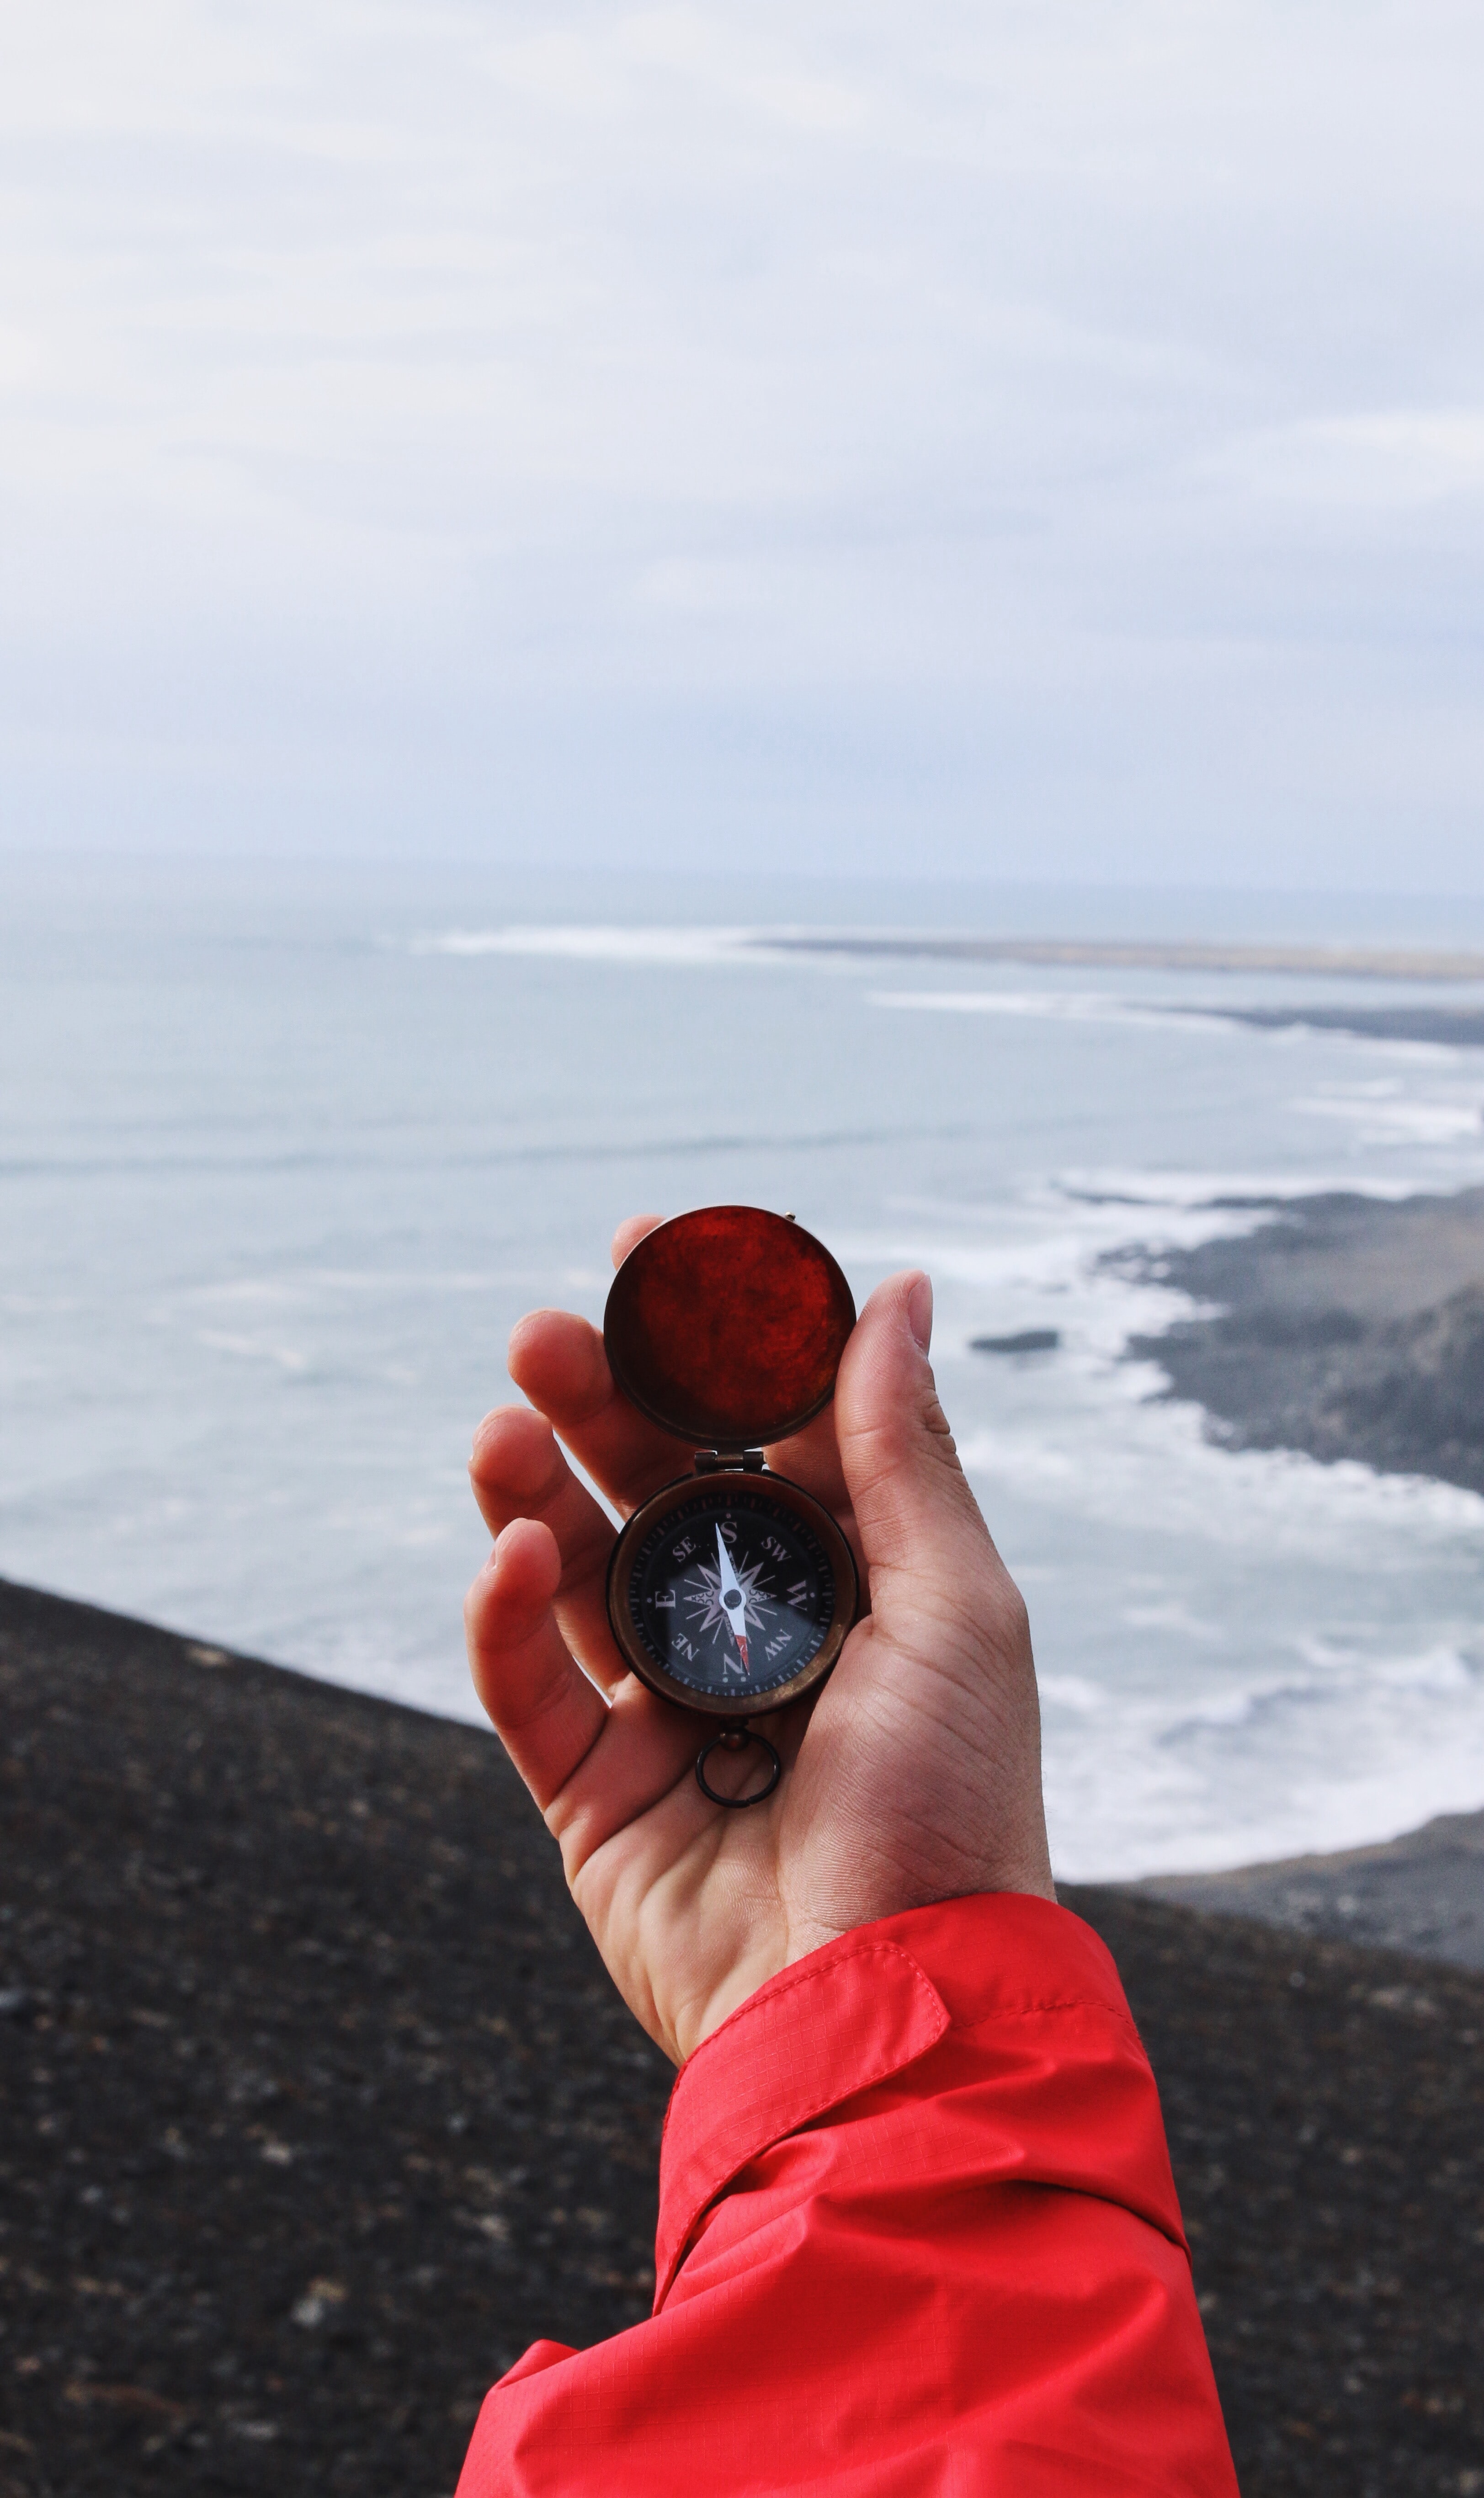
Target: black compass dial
(730,1593)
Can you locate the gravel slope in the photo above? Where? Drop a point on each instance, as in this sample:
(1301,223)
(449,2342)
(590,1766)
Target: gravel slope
(316,2107)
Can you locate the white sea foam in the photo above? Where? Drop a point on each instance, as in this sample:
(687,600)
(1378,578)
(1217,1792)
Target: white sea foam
(1381,1114)
(1054,1237)
(601,944)
(1171,1615)
(1223,1191)
(1044,1007)
(1169,1475)
(1305,1763)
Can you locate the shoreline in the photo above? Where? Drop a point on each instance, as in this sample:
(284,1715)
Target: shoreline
(1352,1329)
(1439,1027)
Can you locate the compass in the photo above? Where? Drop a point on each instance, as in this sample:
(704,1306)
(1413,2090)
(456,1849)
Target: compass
(730,1590)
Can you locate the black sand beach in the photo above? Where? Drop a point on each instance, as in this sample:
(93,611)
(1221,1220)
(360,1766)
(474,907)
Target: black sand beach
(316,2107)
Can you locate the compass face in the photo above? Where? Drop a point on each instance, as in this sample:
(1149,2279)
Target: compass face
(728,1596)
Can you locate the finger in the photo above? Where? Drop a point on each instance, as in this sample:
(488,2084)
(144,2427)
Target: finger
(592,1770)
(644,1770)
(544,1710)
(945,1668)
(558,1362)
(645,1755)
(516,1470)
(631,1230)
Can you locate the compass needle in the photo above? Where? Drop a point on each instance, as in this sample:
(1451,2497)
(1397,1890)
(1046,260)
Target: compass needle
(732,1596)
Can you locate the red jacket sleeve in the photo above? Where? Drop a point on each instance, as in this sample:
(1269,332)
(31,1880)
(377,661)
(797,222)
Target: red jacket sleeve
(918,2238)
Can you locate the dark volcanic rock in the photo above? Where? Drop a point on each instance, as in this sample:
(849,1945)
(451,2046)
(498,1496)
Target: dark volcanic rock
(1029,1340)
(316,2107)
(1348,1328)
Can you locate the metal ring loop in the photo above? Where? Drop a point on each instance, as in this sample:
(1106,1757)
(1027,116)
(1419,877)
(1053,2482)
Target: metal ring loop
(735,1739)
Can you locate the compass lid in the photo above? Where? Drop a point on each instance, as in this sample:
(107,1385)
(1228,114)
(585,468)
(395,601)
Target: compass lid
(726,1327)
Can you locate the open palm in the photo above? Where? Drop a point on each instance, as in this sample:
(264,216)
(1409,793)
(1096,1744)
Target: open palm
(914,1774)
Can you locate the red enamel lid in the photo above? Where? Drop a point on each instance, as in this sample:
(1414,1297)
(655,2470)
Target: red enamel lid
(726,1327)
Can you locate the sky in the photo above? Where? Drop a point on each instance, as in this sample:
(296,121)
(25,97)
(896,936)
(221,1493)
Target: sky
(1033,443)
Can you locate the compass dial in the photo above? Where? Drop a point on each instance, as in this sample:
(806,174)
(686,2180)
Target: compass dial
(730,1593)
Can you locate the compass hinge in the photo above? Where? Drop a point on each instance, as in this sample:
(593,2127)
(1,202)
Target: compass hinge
(729,1462)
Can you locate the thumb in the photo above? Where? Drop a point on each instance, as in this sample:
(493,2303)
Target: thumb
(946,1655)
(921,1530)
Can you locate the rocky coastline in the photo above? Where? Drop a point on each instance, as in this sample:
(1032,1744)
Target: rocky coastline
(1348,1326)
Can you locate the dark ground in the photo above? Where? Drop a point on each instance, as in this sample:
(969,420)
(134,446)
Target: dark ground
(1348,1326)
(316,2107)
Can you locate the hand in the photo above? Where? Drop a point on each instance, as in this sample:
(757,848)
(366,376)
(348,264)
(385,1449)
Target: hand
(914,1775)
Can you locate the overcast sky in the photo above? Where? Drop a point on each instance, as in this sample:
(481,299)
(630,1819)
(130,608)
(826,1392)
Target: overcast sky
(1041,441)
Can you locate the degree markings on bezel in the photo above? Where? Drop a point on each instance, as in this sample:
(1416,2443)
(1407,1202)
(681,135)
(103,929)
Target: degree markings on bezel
(681,1623)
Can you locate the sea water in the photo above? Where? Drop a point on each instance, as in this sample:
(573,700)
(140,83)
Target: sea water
(283,1158)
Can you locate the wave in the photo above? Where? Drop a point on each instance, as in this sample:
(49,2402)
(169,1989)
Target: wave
(1382,1118)
(1049,1006)
(1221,1192)
(603,944)
(1162,1474)
(1283,1766)
(1440,1669)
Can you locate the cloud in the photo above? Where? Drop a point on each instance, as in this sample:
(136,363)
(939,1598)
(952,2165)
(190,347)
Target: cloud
(1392,459)
(988,433)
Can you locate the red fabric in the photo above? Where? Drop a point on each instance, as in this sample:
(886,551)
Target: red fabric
(918,2238)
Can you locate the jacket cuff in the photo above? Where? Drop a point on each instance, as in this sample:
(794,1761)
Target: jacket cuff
(863,2008)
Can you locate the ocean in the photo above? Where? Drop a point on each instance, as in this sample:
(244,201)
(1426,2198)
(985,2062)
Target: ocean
(283,1154)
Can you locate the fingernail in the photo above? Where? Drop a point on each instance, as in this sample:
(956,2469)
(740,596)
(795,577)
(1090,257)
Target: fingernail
(920,1312)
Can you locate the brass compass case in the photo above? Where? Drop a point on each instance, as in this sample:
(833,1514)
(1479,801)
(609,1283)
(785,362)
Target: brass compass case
(765,1509)
(732,1591)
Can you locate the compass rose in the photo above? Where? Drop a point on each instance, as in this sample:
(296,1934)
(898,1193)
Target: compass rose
(726,1600)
